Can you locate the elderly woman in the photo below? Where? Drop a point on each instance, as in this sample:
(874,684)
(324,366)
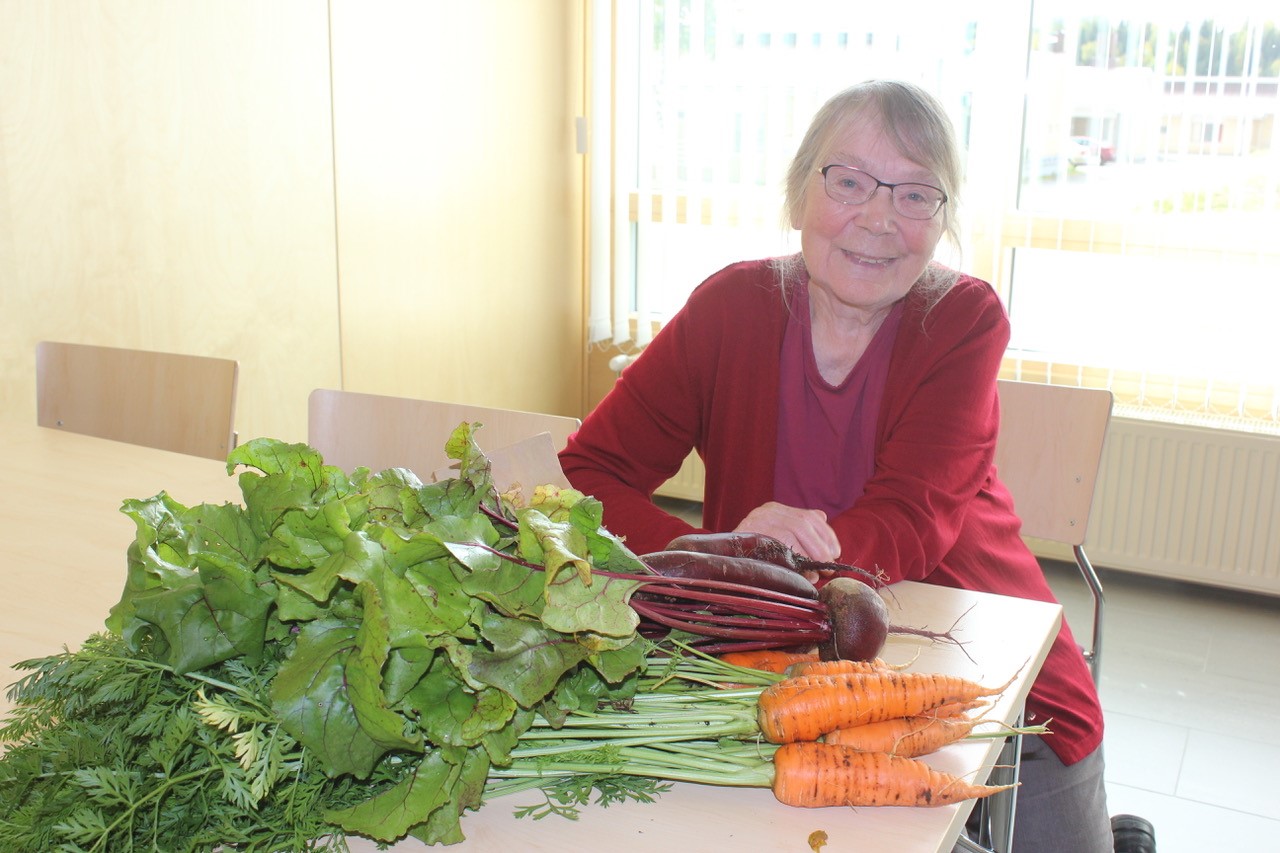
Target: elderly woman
(844,402)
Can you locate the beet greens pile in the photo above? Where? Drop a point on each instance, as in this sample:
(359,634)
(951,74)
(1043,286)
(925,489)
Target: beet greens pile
(344,653)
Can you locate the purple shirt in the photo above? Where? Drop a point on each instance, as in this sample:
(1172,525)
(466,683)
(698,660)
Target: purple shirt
(826,433)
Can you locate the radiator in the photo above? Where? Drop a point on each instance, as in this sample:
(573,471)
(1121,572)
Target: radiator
(1189,503)
(1181,502)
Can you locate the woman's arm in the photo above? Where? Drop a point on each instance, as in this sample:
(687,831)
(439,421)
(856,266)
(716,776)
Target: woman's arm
(707,381)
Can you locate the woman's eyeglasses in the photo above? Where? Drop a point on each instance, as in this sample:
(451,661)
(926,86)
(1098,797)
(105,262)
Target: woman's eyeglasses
(848,185)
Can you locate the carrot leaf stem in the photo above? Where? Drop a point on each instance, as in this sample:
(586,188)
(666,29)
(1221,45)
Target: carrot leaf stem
(700,764)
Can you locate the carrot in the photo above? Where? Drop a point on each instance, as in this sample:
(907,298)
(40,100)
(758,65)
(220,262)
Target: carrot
(768,660)
(808,706)
(908,737)
(812,775)
(834,667)
(954,709)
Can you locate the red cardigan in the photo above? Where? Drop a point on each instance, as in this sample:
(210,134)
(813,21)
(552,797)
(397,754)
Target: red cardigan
(933,509)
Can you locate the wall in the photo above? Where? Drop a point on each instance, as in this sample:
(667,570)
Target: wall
(459,201)
(166,183)
(305,187)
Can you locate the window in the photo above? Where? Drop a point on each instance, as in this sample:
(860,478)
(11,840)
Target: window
(1123,201)
(1141,260)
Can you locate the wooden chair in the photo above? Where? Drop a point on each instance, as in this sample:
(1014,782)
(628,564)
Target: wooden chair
(352,429)
(183,403)
(1048,453)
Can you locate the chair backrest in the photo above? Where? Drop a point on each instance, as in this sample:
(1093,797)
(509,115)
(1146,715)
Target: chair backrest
(1048,453)
(352,429)
(183,403)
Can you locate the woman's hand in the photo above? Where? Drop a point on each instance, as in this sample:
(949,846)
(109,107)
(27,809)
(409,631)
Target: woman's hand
(803,530)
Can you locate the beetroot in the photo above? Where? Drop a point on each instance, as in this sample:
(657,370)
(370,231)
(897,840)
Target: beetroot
(739,570)
(757,546)
(859,620)
(740,604)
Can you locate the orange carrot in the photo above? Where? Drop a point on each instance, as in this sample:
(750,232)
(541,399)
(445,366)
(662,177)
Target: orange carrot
(808,706)
(818,774)
(908,737)
(768,660)
(834,667)
(955,709)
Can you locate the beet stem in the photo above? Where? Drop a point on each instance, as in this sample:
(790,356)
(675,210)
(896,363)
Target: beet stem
(657,613)
(685,585)
(735,619)
(734,601)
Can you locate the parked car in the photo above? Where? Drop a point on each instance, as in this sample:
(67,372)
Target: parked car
(1087,151)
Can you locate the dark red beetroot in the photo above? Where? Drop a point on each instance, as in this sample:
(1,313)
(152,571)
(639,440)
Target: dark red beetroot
(733,569)
(736,603)
(757,546)
(859,620)
(739,604)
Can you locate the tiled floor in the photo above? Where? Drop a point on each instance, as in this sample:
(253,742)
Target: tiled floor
(1191,691)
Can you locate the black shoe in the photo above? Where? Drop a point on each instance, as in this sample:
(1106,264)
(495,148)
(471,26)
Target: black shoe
(1133,834)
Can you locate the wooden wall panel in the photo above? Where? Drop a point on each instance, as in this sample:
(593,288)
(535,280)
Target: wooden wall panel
(459,198)
(171,178)
(166,182)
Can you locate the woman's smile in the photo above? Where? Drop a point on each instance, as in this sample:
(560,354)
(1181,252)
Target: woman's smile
(867,260)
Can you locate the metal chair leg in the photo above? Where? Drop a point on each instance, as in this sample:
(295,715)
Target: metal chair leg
(1094,654)
(1002,807)
(996,813)
(963,843)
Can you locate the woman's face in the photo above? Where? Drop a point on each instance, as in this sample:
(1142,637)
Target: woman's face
(864,257)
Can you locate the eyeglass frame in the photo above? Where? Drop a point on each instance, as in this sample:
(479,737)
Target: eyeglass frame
(879,183)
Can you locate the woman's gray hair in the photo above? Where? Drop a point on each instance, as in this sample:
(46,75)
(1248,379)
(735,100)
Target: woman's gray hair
(917,124)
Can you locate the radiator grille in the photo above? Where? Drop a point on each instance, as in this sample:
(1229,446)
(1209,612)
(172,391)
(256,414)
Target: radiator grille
(1190,503)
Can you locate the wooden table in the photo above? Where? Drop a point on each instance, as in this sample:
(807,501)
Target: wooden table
(62,535)
(62,548)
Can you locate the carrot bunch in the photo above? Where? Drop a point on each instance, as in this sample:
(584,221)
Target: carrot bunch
(851,732)
(818,733)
